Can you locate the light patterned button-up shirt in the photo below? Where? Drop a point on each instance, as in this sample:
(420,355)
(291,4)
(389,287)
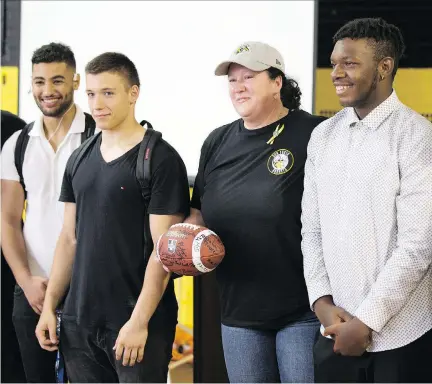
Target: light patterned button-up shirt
(367,220)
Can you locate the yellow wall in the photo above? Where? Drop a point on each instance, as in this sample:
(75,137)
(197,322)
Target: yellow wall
(413,87)
(9,89)
(184,293)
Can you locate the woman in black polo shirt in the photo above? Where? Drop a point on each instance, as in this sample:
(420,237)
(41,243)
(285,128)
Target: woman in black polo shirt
(248,190)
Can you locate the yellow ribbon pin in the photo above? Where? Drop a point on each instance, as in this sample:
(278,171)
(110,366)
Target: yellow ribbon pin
(276,133)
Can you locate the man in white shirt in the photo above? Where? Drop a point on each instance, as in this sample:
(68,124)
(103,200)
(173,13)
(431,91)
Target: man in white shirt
(367,219)
(29,249)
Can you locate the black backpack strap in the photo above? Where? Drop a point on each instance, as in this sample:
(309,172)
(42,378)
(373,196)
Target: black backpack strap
(80,152)
(90,127)
(20,148)
(143,168)
(144,122)
(143,175)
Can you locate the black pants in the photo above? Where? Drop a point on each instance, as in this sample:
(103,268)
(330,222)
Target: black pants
(409,364)
(90,358)
(12,370)
(39,365)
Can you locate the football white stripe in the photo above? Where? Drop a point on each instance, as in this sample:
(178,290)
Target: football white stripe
(186,225)
(196,250)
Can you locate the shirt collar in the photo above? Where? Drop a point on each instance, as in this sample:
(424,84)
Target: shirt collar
(77,126)
(376,117)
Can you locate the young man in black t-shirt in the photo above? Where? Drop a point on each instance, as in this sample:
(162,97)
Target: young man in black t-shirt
(117,325)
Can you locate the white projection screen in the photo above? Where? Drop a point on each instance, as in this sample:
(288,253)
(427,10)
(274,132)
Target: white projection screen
(176,47)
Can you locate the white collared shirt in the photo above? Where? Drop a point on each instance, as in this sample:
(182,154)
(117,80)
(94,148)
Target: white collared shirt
(43,171)
(367,220)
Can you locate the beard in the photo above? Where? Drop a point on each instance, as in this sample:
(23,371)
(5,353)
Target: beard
(60,110)
(366,96)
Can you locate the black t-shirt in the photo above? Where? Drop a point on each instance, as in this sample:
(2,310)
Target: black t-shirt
(249,193)
(109,267)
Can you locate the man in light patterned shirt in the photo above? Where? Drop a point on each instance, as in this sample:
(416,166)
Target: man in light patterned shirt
(367,219)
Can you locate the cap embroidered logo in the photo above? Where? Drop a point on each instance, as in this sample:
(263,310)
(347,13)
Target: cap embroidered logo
(242,48)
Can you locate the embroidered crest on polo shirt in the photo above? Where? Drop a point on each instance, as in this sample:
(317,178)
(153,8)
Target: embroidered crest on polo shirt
(280,162)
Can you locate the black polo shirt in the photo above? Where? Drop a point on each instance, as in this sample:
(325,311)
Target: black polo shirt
(249,192)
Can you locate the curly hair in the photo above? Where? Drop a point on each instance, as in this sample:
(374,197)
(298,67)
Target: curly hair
(290,92)
(387,38)
(54,53)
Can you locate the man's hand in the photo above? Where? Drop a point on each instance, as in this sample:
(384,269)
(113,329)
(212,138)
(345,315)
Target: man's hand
(328,313)
(351,338)
(46,330)
(34,289)
(131,342)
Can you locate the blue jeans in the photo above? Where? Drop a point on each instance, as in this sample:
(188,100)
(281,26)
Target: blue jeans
(286,356)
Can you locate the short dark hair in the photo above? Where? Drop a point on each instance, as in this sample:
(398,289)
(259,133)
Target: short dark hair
(114,62)
(54,53)
(387,37)
(290,92)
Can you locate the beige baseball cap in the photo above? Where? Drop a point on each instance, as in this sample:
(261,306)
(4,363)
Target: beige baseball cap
(254,55)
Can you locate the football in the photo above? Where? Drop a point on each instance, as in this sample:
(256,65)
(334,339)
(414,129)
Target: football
(189,250)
